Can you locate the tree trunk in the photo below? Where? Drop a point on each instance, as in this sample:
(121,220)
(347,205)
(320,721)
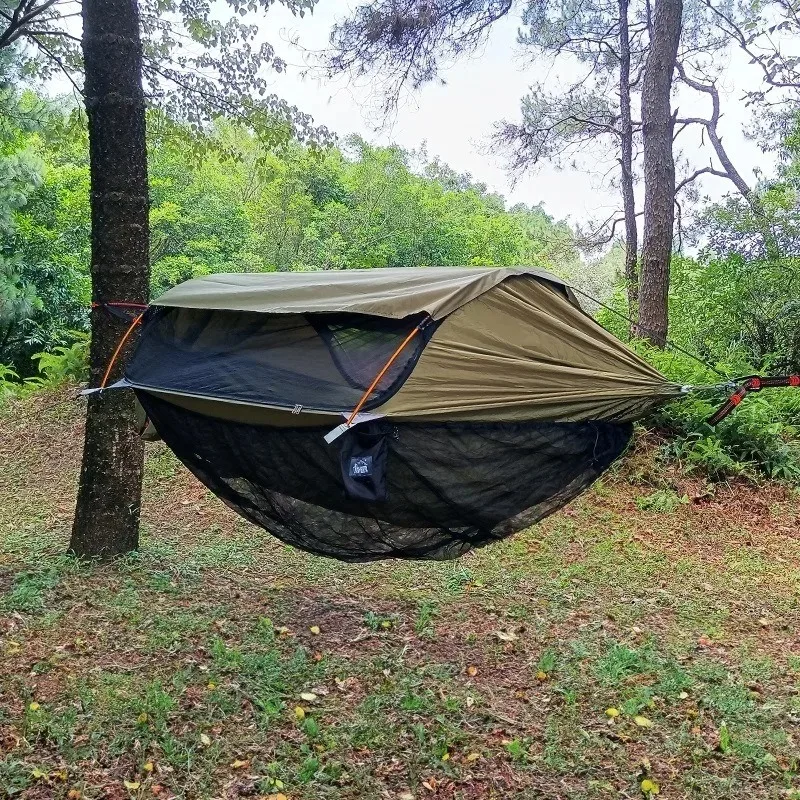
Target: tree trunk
(626,162)
(107,513)
(659,170)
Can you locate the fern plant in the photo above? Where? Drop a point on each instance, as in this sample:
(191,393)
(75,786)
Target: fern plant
(65,363)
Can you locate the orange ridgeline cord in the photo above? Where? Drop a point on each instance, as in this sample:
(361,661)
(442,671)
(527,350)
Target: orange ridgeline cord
(119,349)
(386,366)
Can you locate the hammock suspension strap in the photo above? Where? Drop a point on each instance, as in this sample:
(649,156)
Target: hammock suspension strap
(754,383)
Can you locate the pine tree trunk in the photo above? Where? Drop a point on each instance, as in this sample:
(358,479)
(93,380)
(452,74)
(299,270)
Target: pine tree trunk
(626,163)
(107,513)
(659,170)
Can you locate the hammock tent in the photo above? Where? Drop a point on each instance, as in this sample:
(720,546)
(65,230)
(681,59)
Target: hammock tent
(389,413)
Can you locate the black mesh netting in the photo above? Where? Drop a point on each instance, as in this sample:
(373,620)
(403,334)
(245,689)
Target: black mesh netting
(448,487)
(325,361)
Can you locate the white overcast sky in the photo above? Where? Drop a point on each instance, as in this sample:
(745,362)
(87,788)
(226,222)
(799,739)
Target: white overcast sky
(455,119)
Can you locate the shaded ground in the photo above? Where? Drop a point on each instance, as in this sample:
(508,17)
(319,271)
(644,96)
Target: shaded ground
(218,663)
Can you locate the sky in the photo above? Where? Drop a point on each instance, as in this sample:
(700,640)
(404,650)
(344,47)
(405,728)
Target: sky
(456,119)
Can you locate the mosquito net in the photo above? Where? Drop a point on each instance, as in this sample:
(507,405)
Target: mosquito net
(320,361)
(383,490)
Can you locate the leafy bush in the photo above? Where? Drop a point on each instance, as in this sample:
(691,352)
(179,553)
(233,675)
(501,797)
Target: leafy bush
(9,383)
(761,436)
(66,363)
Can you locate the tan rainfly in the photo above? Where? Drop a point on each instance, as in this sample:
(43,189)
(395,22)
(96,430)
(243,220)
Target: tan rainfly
(511,344)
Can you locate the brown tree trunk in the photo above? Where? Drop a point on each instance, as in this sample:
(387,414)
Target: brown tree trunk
(109,495)
(659,170)
(626,162)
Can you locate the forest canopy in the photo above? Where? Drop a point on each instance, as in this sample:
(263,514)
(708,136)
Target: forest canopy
(225,203)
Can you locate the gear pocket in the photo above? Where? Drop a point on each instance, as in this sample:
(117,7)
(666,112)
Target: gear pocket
(364,458)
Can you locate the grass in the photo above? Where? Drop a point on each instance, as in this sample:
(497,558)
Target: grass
(217,663)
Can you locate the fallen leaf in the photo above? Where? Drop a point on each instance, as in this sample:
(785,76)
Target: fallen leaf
(132,785)
(446,757)
(649,787)
(643,722)
(156,789)
(308,696)
(684,695)
(299,712)
(541,675)
(239,764)
(59,774)
(472,757)
(282,631)
(73,794)
(278,796)
(205,739)
(212,685)
(37,774)
(506,636)
(704,641)
(472,671)
(386,624)
(314,630)
(34,706)
(470,701)
(148,767)
(612,712)
(142,718)
(317,656)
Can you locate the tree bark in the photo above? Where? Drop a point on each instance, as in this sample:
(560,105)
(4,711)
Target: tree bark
(626,163)
(658,125)
(107,512)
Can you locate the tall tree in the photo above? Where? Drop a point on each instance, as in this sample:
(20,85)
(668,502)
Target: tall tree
(626,134)
(658,124)
(221,72)
(109,494)
(608,40)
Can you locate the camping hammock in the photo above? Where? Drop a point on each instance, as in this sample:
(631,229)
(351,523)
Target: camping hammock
(389,413)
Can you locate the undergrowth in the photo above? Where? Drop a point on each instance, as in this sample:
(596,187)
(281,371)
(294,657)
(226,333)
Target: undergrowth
(63,364)
(760,438)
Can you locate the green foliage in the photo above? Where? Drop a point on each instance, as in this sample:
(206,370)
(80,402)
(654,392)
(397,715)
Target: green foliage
(9,383)
(761,437)
(732,306)
(736,308)
(66,363)
(222,201)
(662,501)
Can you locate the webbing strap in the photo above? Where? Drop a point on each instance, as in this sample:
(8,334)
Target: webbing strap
(755,383)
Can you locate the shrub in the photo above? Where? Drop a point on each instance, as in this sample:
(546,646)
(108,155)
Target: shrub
(65,363)
(761,436)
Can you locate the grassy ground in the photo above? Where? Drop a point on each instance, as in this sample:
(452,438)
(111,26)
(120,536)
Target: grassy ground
(644,641)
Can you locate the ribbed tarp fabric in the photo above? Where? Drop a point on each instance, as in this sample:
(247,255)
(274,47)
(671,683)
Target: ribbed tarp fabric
(392,292)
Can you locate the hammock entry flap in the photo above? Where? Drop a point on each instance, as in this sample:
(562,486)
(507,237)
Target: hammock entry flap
(484,399)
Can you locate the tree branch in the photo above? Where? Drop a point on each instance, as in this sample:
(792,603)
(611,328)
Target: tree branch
(24,13)
(697,173)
